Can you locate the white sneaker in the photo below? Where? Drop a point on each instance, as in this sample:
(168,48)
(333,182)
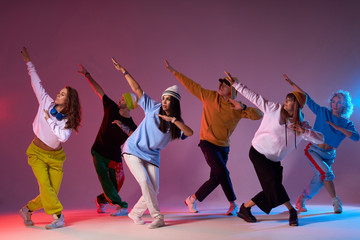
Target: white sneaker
(26,216)
(191,203)
(337,205)
(158,222)
(137,220)
(233,209)
(120,212)
(100,206)
(300,204)
(57,223)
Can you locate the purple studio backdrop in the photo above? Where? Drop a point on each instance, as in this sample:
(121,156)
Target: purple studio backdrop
(315,42)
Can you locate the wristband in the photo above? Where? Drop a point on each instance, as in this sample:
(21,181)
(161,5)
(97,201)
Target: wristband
(87,73)
(173,120)
(126,72)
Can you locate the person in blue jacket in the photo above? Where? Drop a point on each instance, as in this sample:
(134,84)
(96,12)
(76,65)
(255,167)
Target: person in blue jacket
(334,124)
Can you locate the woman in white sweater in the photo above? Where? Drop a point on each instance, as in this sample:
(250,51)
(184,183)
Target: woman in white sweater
(52,126)
(281,130)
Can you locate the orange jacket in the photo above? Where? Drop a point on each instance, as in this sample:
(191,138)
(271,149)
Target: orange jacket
(218,120)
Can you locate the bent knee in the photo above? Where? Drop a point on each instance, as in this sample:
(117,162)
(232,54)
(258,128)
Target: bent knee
(328,176)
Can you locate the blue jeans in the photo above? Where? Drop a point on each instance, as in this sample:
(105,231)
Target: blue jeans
(320,160)
(216,157)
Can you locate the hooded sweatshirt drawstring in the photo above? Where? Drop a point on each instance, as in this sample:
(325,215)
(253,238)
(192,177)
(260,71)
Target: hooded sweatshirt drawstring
(286,136)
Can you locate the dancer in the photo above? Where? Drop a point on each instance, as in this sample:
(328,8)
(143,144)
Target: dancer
(218,122)
(162,123)
(106,150)
(335,125)
(52,126)
(280,131)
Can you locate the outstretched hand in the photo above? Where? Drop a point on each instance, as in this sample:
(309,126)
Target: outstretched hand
(169,67)
(123,127)
(83,70)
(230,78)
(237,105)
(25,55)
(46,115)
(117,122)
(166,118)
(297,128)
(333,125)
(347,133)
(296,87)
(288,79)
(117,65)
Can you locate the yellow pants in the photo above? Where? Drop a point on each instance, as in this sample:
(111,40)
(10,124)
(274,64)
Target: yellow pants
(48,170)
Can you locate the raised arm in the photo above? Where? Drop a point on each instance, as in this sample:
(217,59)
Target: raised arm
(261,103)
(193,87)
(96,87)
(296,87)
(39,90)
(314,107)
(133,84)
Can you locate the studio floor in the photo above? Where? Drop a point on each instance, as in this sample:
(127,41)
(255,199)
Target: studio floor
(318,223)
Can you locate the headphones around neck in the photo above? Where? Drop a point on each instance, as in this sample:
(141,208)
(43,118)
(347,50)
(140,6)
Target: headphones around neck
(55,113)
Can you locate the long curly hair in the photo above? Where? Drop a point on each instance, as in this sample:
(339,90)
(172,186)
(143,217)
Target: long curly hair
(175,111)
(72,109)
(348,106)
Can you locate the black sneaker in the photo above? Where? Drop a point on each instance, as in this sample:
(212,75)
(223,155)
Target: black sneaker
(293,219)
(245,214)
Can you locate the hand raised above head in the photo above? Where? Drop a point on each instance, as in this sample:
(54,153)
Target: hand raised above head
(169,67)
(117,65)
(288,79)
(25,55)
(294,85)
(230,78)
(83,70)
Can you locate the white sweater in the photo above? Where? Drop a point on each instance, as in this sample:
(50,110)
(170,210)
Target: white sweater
(270,138)
(52,132)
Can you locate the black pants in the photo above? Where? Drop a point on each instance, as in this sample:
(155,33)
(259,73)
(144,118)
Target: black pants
(270,176)
(216,157)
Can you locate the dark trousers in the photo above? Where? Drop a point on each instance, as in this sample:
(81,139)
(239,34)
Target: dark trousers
(216,157)
(270,176)
(111,177)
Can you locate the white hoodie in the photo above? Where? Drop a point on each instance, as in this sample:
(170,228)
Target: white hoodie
(270,139)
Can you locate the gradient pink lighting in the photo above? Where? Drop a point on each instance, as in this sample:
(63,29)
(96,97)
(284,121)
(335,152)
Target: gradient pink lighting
(314,42)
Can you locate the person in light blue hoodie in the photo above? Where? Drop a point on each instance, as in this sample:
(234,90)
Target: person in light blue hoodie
(141,151)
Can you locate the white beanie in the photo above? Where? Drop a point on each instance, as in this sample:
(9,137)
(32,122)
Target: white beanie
(172,91)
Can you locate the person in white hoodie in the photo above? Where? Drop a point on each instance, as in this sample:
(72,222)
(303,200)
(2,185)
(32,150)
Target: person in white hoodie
(281,130)
(52,126)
